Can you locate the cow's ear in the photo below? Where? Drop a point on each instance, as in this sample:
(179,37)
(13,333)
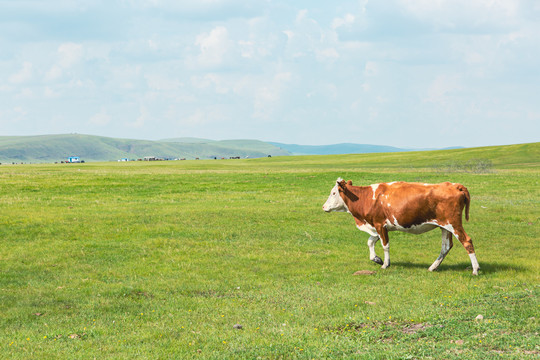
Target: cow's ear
(349,182)
(341,184)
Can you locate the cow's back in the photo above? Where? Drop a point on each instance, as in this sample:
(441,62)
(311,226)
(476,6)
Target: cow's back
(415,203)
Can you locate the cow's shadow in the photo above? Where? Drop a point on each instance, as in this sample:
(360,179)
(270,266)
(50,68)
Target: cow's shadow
(485,267)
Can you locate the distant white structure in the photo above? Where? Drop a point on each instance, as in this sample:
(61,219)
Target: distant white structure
(74,159)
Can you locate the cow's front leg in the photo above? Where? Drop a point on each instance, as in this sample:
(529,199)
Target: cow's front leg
(383,234)
(371,244)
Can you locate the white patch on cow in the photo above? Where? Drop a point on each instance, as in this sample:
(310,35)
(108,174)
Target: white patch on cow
(374,188)
(386,256)
(334,201)
(368,229)
(474,263)
(415,229)
(391,183)
(388,204)
(450,228)
(371,245)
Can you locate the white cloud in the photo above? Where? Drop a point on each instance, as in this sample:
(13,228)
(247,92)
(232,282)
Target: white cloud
(162,83)
(218,83)
(17,114)
(443,89)
(301,15)
(213,47)
(247,48)
(141,119)
(267,96)
(25,93)
(255,49)
(50,93)
(54,73)
(289,34)
(371,68)
(328,54)
(347,20)
(199,117)
(214,114)
(458,14)
(69,54)
(102,118)
(23,75)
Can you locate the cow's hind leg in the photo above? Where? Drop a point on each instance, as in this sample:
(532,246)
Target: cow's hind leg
(371,244)
(445,248)
(466,241)
(383,233)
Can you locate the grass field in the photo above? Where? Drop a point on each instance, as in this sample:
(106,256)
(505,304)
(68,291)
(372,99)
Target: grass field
(162,260)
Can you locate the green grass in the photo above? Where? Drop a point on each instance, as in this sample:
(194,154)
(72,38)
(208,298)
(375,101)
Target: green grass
(161,260)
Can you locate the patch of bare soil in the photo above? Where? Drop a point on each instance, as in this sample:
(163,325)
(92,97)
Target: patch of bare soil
(364,272)
(414,328)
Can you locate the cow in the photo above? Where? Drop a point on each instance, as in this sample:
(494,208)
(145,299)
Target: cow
(409,207)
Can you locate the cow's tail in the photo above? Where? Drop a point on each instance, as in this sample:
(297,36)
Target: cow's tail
(467,199)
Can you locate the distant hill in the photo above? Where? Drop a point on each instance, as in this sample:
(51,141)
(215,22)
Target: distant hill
(50,148)
(189,140)
(336,149)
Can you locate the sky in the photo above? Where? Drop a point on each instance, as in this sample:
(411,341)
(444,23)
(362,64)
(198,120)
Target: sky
(406,73)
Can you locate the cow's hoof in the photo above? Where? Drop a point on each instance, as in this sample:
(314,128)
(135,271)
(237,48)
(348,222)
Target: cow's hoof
(385,266)
(377,260)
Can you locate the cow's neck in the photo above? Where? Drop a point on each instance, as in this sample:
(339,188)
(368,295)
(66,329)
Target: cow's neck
(355,198)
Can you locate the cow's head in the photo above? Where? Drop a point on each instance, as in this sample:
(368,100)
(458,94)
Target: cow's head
(335,201)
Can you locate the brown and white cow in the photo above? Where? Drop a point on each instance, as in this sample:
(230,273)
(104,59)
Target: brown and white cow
(410,207)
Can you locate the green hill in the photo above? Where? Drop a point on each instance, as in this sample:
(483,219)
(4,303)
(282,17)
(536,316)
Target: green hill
(49,148)
(477,160)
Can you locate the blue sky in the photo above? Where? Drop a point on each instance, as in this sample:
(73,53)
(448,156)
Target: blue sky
(407,73)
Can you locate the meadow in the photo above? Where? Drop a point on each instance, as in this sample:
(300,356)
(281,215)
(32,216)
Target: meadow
(235,259)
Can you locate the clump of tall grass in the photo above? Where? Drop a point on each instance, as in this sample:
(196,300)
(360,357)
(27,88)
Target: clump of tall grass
(474,166)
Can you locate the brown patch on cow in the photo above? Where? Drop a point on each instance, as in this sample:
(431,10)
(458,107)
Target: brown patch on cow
(364,272)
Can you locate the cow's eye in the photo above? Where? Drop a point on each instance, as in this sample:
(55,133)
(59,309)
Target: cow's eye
(333,193)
